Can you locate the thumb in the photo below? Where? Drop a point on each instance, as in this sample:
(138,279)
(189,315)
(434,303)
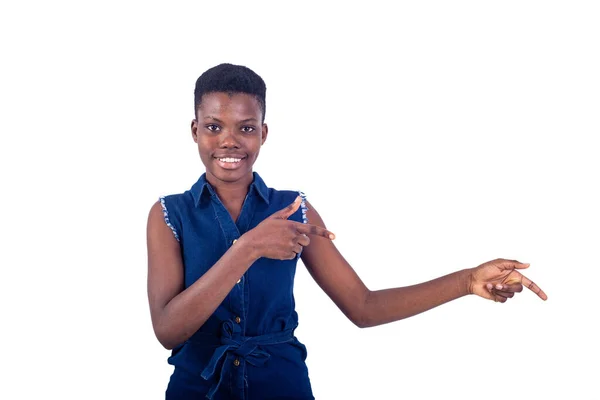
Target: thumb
(286,212)
(520,265)
(512,264)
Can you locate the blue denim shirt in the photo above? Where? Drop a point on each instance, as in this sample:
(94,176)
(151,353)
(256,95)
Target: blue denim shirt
(247,348)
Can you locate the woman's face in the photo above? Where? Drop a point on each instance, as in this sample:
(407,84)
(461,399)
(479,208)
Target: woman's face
(229,134)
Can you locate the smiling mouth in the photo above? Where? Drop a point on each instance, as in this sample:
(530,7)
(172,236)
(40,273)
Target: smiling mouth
(230,162)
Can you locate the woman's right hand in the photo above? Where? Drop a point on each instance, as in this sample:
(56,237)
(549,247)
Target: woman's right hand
(279,238)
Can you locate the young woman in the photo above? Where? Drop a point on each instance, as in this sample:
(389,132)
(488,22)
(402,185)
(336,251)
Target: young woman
(222,258)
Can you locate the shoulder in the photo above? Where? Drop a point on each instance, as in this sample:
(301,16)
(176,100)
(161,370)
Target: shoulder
(280,199)
(177,204)
(283,195)
(183,197)
(187,198)
(168,210)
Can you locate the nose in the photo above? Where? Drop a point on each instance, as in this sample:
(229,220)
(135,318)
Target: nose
(228,140)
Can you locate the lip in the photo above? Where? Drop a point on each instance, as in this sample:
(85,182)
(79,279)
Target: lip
(230,156)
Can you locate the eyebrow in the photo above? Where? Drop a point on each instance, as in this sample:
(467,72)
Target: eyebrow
(249,120)
(213,118)
(242,121)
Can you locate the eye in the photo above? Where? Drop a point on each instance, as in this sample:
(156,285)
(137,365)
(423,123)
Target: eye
(248,129)
(213,127)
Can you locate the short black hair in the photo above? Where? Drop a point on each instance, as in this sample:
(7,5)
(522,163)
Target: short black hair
(231,78)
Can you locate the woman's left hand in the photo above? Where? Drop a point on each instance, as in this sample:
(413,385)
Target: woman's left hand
(500,279)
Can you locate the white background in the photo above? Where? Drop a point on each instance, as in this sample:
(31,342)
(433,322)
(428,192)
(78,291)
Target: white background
(431,137)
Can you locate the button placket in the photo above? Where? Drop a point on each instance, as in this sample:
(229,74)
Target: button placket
(232,230)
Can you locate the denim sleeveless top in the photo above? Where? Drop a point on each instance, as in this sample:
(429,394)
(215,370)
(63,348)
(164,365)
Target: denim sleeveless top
(247,348)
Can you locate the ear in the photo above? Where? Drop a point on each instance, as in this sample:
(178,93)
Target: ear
(195,130)
(265,132)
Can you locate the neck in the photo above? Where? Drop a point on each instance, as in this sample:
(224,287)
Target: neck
(230,191)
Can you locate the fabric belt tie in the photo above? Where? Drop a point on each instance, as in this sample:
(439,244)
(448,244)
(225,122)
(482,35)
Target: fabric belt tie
(234,345)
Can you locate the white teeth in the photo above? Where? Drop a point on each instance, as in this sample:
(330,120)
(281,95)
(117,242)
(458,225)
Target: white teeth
(230,160)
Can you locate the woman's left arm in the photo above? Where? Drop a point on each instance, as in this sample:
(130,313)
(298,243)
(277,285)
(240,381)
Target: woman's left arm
(496,280)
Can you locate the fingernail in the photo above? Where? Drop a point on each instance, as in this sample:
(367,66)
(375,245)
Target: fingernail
(489,286)
(498,286)
(331,236)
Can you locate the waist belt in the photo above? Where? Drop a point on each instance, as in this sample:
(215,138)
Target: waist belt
(234,345)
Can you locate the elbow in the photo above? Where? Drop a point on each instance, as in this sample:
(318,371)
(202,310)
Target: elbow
(171,338)
(360,323)
(361,316)
(168,345)
(165,338)
(165,341)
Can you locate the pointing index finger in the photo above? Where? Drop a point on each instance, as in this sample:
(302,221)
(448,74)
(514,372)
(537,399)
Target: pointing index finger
(309,229)
(529,284)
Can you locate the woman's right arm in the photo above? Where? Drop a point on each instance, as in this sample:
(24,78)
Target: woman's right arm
(177,313)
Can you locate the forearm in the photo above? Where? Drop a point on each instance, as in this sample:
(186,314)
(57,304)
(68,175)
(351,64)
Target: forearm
(388,305)
(188,311)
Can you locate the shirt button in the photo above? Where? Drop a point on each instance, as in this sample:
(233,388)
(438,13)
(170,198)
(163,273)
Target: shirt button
(239,280)
(234,240)
(238,320)
(236,362)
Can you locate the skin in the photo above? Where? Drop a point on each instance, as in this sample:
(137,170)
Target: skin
(230,125)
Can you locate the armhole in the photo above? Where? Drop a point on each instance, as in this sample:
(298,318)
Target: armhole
(166,216)
(303,207)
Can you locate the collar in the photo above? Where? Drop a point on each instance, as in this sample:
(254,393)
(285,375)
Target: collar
(202,188)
